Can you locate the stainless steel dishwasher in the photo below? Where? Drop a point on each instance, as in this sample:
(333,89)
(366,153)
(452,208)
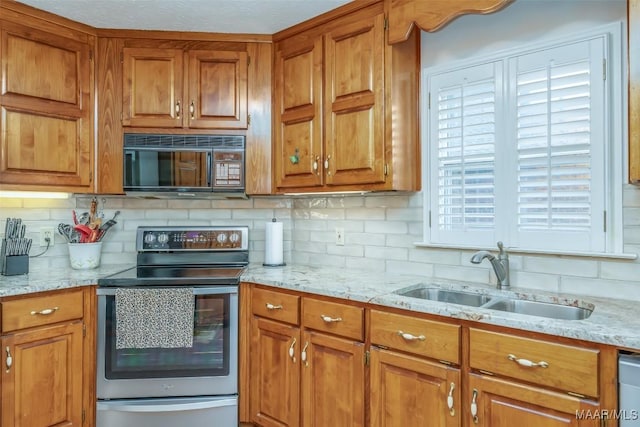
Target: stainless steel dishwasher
(629,390)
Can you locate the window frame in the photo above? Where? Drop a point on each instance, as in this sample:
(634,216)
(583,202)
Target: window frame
(615,130)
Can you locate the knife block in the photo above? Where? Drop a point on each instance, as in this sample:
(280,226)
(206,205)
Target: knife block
(16,264)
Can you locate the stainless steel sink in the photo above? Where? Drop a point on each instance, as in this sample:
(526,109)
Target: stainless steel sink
(541,309)
(511,305)
(445,295)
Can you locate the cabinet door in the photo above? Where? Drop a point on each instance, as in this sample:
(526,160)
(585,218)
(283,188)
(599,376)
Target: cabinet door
(298,113)
(46,130)
(42,383)
(502,403)
(275,373)
(354,103)
(217,89)
(408,391)
(152,87)
(332,381)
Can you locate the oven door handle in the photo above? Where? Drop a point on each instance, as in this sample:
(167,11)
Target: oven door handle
(210,290)
(162,405)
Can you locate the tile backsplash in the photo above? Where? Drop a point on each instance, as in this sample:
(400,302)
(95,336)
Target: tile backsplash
(379,230)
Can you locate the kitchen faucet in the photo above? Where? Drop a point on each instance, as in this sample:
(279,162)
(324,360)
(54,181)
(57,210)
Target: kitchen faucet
(500,264)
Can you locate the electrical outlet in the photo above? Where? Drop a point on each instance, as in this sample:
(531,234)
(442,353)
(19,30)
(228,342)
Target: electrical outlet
(339,236)
(44,233)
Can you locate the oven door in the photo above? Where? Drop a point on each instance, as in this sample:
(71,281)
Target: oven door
(209,367)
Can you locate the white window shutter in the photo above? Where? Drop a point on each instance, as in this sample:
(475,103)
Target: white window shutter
(462,132)
(557,96)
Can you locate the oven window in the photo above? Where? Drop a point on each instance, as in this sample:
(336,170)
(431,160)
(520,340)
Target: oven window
(209,355)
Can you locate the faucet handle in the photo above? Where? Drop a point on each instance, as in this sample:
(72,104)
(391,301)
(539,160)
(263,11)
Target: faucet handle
(501,249)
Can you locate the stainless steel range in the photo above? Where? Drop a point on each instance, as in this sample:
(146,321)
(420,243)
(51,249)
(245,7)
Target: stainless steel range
(167,352)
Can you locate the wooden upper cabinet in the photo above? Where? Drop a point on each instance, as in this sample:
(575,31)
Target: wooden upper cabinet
(633,9)
(46,120)
(338,87)
(432,15)
(298,114)
(152,87)
(354,103)
(171,88)
(217,89)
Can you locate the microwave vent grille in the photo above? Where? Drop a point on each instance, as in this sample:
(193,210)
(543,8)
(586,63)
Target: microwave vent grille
(185,141)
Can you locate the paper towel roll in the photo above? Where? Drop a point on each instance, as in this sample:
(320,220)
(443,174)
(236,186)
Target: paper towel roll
(273,244)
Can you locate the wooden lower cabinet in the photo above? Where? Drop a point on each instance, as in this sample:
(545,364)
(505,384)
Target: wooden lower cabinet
(410,391)
(48,359)
(275,373)
(308,366)
(41,382)
(301,376)
(333,388)
(502,403)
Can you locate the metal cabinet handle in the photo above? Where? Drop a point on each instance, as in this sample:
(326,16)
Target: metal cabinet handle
(192,110)
(474,406)
(452,411)
(329,319)
(273,307)
(410,337)
(303,355)
(292,350)
(326,164)
(46,311)
(316,164)
(9,360)
(528,363)
(178,109)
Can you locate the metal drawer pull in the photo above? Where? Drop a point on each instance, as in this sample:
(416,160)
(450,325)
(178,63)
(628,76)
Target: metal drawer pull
(450,400)
(410,337)
(528,363)
(46,311)
(9,361)
(474,406)
(192,110)
(291,350)
(329,319)
(273,307)
(178,109)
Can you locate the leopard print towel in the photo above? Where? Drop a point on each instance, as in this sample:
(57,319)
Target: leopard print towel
(154,318)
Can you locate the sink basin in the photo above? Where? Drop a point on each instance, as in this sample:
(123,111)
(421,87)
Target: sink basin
(445,295)
(541,309)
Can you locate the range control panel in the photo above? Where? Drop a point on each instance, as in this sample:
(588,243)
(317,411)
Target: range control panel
(212,238)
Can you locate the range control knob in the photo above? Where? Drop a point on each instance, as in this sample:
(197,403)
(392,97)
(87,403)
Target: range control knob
(234,238)
(163,238)
(149,238)
(221,238)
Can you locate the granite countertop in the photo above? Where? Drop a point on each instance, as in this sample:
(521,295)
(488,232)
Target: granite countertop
(612,322)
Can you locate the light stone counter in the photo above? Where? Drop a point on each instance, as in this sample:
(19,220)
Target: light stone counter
(614,322)
(55,278)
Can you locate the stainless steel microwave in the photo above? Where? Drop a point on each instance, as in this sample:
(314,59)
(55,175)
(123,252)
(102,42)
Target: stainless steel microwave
(184,165)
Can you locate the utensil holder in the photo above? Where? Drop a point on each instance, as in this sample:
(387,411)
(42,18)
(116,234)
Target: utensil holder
(16,264)
(85,256)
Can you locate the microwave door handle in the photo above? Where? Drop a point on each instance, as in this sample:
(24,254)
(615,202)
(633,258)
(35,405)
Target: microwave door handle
(209,168)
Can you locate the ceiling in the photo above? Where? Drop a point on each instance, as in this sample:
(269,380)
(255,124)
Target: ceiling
(214,16)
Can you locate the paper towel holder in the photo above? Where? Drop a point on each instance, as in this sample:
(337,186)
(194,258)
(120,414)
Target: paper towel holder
(270,264)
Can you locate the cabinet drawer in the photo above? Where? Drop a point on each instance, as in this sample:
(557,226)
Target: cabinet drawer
(560,366)
(340,319)
(437,340)
(276,305)
(44,310)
